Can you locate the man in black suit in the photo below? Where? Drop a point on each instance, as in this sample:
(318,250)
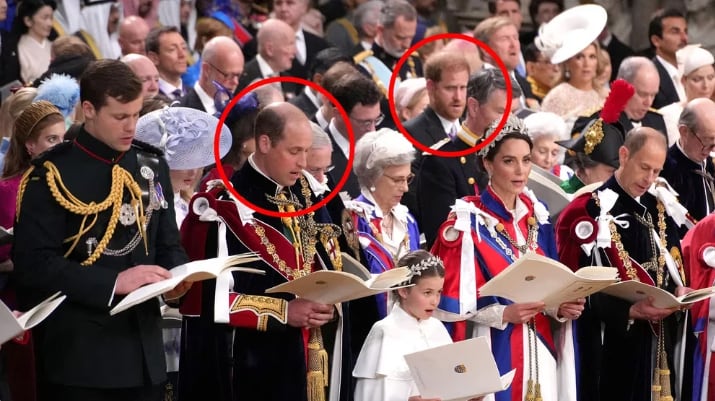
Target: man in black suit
(83,352)
(221,61)
(308,100)
(166,48)
(689,167)
(307,44)
(276,51)
(447,75)
(668,32)
(442,180)
(502,36)
(360,98)
(617,50)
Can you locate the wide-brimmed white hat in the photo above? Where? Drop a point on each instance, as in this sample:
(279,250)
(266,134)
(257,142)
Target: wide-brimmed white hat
(185,135)
(570,32)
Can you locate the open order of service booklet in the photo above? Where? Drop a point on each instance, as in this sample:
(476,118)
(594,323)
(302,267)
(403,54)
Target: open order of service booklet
(457,372)
(11,326)
(546,188)
(193,271)
(635,291)
(534,278)
(355,281)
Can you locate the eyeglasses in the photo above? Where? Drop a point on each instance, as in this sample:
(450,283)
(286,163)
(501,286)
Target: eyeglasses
(400,180)
(709,148)
(320,170)
(367,124)
(223,74)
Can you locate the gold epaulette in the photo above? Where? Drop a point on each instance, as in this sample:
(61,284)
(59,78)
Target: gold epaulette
(437,145)
(652,110)
(360,57)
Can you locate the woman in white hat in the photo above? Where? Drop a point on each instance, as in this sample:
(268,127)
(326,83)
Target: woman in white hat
(698,78)
(186,137)
(570,40)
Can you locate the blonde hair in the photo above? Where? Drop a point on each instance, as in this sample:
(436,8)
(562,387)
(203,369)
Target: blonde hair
(13,107)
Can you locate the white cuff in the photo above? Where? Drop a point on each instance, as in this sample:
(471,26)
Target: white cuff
(492,316)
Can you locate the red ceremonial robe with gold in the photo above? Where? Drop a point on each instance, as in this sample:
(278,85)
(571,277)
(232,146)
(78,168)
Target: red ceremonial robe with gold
(475,252)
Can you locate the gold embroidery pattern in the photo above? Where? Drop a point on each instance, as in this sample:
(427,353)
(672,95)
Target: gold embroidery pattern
(594,136)
(262,306)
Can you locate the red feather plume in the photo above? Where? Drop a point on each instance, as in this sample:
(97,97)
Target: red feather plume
(621,92)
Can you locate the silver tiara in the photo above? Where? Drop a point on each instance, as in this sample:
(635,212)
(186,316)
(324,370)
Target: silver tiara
(425,264)
(513,124)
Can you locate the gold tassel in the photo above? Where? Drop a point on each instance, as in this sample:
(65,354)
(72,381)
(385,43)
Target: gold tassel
(530,391)
(665,393)
(537,392)
(317,366)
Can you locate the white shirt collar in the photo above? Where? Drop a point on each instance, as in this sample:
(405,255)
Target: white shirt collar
(168,89)
(266,70)
(342,141)
(301,51)
(255,167)
(366,45)
(672,70)
(320,118)
(206,100)
(309,93)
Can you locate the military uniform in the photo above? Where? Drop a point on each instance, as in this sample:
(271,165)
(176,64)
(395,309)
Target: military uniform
(79,225)
(378,65)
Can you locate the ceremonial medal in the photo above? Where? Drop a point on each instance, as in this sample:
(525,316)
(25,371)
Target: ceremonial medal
(127,216)
(147,172)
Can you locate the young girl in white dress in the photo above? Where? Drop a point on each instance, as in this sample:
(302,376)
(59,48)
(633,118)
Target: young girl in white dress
(381,370)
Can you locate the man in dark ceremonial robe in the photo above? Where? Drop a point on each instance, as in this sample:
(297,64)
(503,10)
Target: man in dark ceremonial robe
(689,167)
(626,224)
(278,337)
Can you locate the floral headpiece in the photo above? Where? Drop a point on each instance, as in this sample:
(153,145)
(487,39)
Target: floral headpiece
(513,124)
(424,264)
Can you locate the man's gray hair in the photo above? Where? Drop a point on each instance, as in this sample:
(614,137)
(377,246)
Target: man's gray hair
(367,13)
(396,8)
(631,66)
(320,137)
(377,150)
(485,82)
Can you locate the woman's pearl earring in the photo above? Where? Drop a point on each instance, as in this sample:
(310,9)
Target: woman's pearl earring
(372,189)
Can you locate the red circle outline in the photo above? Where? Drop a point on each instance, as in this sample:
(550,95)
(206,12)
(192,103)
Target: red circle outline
(396,73)
(333,193)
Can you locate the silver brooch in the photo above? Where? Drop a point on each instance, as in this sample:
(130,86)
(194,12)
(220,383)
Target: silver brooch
(147,173)
(127,216)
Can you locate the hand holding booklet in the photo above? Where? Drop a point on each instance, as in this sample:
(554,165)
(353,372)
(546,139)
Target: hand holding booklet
(193,271)
(534,278)
(11,326)
(635,291)
(331,287)
(457,372)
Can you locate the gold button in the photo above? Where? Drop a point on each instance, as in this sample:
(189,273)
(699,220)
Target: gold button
(463,160)
(471,180)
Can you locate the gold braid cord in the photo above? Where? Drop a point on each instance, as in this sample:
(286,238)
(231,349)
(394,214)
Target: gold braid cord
(21,190)
(121,179)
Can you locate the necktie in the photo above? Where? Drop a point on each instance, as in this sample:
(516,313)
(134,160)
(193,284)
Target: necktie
(452,134)
(177,94)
